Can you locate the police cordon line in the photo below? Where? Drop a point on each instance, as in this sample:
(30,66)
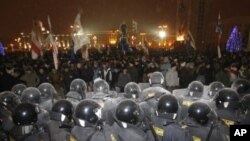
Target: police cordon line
(197,113)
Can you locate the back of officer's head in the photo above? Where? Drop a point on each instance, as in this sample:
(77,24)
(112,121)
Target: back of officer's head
(62,111)
(168,106)
(47,91)
(31,95)
(74,96)
(18,89)
(87,111)
(156,78)
(242,86)
(132,90)
(25,114)
(101,86)
(227,98)
(128,111)
(214,88)
(199,112)
(9,100)
(195,89)
(79,85)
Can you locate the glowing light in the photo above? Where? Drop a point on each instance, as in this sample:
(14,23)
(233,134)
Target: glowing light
(94,38)
(142,34)
(180,38)
(112,41)
(150,44)
(162,34)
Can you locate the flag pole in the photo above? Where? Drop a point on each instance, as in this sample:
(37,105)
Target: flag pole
(218,46)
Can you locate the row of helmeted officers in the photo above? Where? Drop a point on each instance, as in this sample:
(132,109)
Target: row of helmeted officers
(198,113)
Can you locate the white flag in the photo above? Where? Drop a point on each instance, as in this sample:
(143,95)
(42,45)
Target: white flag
(79,37)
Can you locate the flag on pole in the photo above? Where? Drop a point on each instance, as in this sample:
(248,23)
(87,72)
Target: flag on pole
(79,37)
(134,26)
(54,46)
(219,31)
(2,53)
(191,40)
(36,39)
(35,46)
(145,46)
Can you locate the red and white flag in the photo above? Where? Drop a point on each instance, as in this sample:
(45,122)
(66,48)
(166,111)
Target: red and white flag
(54,46)
(36,39)
(35,46)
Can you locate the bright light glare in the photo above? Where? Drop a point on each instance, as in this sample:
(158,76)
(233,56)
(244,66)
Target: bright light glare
(162,34)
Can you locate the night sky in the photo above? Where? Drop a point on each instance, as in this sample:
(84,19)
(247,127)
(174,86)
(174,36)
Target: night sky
(16,15)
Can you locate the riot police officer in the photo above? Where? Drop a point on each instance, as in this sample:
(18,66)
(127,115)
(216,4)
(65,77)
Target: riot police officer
(18,89)
(128,116)
(26,128)
(193,93)
(165,126)
(74,98)
(132,90)
(79,85)
(48,93)
(9,100)
(151,95)
(227,108)
(213,90)
(6,123)
(60,123)
(33,95)
(201,123)
(156,79)
(150,99)
(242,86)
(86,116)
(245,107)
(101,88)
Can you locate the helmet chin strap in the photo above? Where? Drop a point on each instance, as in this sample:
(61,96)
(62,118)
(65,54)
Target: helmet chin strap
(26,129)
(124,125)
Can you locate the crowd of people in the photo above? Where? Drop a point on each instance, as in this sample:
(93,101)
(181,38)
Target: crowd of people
(170,97)
(178,70)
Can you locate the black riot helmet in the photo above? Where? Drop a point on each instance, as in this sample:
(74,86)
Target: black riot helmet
(227,98)
(132,90)
(214,88)
(242,86)
(79,85)
(47,90)
(101,85)
(31,95)
(128,111)
(87,110)
(167,104)
(195,89)
(200,112)
(156,78)
(18,89)
(245,103)
(9,100)
(63,109)
(25,114)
